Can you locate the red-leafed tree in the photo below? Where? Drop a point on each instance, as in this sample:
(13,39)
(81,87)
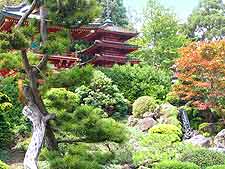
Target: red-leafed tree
(201,74)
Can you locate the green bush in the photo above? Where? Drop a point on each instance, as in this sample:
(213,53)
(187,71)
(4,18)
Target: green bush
(172,98)
(71,78)
(175,165)
(61,99)
(158,147)
(79,156)
(16,119)
(140,80)
(216,167)
(166,129)
(204,158)
(3,165)
(5,132)
(103,94)
(144,104)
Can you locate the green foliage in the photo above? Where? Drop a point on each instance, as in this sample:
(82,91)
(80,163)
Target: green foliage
(207,21)
(175,165)
(61,99)
(216,167)
(158,147)
(15,40)
(71,78)
(172,98)
(13,60)
(144,104)
(52,45)
(72,13)
(3,165)
(77,157)
(140,80)
(204,158)
(14,116)
(103,94)
(5,132)
(161,36)
(166,129)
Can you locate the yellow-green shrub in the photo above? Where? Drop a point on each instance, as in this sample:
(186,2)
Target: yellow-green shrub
(144,104)
(3,165)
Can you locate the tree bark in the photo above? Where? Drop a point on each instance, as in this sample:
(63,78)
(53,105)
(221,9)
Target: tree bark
(33,113)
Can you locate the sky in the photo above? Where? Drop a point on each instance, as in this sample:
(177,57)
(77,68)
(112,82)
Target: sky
(182,8)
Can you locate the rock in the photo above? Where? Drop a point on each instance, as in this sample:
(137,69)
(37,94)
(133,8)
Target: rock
(199,140)
(220,150)
(146,123)
(150,114)
(132,121)
(127,166)
(219,140)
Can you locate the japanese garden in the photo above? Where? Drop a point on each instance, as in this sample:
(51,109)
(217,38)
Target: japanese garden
(94,84)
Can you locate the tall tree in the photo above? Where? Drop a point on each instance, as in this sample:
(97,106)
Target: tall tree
(207,21)
(116,11)
(161,36)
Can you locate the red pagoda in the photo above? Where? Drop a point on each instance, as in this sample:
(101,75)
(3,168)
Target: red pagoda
(109,41)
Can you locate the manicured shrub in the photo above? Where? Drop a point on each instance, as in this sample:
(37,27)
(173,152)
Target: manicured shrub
(60,98)
(216,167)
(144,104)
(175,165)
(3,165)
(159,147)
(204,158)
(172,98)
(103,94)
(166,129)
(140,80)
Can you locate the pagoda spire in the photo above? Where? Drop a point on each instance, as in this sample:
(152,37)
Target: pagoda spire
(108,12)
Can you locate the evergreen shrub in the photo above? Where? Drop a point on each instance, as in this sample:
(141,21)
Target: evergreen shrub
(144,104)
(140,80)
(175,165)
(204,158)
(3,165)
(166,129)
(103,94)
(216,167)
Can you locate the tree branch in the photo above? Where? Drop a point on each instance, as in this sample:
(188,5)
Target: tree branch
(26,14)
(25,61)
(41,65)
(72,141)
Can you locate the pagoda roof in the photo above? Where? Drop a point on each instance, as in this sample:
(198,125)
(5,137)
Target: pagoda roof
(113,45)
(17,11)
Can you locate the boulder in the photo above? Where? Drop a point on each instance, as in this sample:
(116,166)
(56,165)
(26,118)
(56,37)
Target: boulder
(150,114)
(219,140)
(146,123)
(132,121)
(199,140)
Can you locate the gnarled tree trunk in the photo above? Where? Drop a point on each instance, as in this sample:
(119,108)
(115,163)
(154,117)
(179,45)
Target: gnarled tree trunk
(33,113)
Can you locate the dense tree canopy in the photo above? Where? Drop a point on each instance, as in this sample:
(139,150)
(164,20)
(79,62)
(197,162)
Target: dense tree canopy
(207,21)
(161,36)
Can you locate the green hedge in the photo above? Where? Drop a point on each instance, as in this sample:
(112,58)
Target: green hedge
(175,165)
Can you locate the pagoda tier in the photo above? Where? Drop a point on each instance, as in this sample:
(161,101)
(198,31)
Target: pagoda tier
(108,52)
(59,61)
